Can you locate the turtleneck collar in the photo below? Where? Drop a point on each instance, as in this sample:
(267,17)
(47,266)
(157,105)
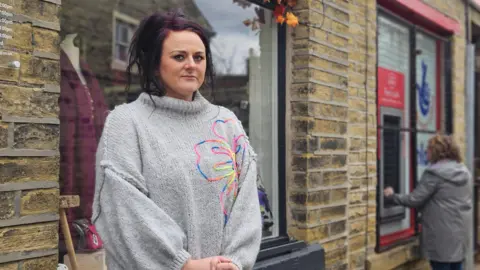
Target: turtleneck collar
(177,107)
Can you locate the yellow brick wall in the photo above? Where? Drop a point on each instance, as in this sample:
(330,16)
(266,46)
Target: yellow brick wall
(29,135)
(362,130)
(319,122)
(332,119)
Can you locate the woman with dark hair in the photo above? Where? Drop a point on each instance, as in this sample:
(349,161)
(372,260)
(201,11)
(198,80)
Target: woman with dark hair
(444,196)
(176,176)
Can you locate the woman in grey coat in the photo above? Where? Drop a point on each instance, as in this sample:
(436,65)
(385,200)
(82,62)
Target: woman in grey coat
(444,197)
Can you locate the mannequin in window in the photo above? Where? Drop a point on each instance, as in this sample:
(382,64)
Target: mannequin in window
(82,116)
(73,53)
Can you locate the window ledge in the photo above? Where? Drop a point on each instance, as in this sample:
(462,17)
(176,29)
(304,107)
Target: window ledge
(395,257)
(293,255)
(119,65)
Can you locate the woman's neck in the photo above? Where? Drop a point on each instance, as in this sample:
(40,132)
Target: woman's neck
(173,94)
(176,106)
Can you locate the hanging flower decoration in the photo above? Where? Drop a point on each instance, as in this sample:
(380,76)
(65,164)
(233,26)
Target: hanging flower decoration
(292,20)
(283,12)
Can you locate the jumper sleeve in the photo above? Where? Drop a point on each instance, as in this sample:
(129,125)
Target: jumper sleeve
(137,233)
(420,195)
(243,231)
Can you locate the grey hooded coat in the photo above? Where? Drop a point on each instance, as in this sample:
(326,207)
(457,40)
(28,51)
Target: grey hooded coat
(444,197)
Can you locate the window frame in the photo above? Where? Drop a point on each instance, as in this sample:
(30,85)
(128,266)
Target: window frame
(443,113)
(117,64)
(281,244)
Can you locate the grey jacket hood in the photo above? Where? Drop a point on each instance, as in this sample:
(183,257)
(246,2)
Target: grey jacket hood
(452,171)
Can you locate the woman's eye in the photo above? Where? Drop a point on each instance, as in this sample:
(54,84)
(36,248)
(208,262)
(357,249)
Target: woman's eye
(179,57)
(199,58)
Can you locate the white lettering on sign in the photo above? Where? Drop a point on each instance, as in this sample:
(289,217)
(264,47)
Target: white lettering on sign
(391,94)
(6,29)
(5,36)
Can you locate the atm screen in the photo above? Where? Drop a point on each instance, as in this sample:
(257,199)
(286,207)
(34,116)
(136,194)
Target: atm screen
(391,153)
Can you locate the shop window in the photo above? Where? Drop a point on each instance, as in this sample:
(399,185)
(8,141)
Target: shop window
(394,102)
(248,49)
(245,58)
(411,86)
(429,92)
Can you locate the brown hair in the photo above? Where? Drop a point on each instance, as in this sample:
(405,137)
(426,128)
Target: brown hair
(443,147)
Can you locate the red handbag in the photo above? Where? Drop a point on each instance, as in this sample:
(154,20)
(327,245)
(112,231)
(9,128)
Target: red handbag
(89,239)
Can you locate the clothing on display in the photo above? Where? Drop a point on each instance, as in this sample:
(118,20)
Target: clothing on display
(82,115)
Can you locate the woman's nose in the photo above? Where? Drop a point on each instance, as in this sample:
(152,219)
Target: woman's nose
(190,63)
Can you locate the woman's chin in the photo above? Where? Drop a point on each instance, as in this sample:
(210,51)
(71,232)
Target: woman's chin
(188,89)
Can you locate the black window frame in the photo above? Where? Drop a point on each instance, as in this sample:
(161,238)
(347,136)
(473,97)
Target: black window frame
(412,130)
(281,244)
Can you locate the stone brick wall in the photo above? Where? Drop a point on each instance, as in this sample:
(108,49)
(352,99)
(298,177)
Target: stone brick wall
(362,131)
(325,101)
(29,134)
(332,173)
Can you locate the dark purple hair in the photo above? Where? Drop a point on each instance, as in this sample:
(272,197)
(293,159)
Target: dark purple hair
(147,45)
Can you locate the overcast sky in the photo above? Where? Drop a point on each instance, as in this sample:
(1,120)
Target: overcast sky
(227,19)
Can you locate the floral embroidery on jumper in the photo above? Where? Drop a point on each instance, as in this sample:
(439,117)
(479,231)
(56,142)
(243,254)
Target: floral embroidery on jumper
(229,168)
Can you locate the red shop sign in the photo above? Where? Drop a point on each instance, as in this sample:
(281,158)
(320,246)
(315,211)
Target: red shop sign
(391,88)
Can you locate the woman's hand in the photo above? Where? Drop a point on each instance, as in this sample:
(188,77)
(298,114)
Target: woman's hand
(226,266)
(210,263)
(222,263)
(388,192)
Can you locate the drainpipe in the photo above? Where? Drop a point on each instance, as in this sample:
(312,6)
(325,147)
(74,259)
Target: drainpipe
(469,123)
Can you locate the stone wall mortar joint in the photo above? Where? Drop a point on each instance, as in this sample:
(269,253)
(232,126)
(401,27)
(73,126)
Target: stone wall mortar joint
(36,23)
(17,256)
(335,6)
(32,120)
(46,55)
(57,2)
(30,219)
(27,153)
(326,44)
(321,12)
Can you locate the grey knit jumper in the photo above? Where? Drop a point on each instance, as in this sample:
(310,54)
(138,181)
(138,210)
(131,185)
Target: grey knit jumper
(175,180)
